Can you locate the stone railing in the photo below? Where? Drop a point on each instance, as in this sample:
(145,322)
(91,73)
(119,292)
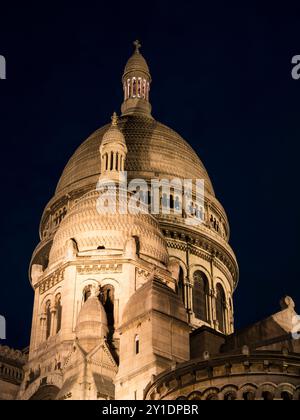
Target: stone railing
(11,364)
(261,375)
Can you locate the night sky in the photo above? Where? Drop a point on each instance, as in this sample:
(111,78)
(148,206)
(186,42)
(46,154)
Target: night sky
(221,78)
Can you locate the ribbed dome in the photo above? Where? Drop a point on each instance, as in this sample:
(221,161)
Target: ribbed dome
(153,150)
(113,134)
(91,230)
(136,63)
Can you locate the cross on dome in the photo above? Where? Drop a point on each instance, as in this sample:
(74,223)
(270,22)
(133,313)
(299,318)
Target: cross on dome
(137,46)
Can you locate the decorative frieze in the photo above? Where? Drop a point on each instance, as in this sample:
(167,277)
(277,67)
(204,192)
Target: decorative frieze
(51,281)
(99,268)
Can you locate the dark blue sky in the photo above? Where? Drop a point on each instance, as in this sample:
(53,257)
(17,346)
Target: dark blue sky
(221,78)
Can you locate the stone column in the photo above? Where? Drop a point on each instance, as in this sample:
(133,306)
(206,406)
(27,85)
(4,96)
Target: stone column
(53,321)
(211,306)
(42,329)
(215,322)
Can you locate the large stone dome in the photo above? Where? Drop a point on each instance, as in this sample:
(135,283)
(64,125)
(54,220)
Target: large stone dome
(92,230)
(153,149)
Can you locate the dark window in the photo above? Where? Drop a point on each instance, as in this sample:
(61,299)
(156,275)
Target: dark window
(200,296)
(286,396)
(249,396)
(230,396)
(111,161)
(180,289)
(137,344)
(107,300)
(117,162)
(220,307)
(86,293)
(58,313)
(48,319)
(267,396)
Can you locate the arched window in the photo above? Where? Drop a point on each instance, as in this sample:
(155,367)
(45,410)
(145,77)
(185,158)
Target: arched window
(267,396)
(200,296)
(286,396)
(128,88)
(221,307)
(87,293)
(180,289)
(248,396)
(111,161)
(230,396)
(117,162)
(139,94)
(58,312)
(106,161)
(134,87)
(48,319)
(107,297)
(144,88)
(137,344)
(171,202)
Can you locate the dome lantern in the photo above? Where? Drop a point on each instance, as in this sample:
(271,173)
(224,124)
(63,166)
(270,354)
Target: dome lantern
(113,151)
(136,84)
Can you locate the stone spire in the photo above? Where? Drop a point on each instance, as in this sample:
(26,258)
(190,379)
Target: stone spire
(113,151)
(136,84)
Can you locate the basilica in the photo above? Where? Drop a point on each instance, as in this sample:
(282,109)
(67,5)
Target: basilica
(134,305)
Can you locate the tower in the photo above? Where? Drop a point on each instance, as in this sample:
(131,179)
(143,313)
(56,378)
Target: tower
(118,293)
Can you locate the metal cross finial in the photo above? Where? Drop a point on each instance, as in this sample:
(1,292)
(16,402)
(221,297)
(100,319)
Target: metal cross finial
(137,46)
(114,119)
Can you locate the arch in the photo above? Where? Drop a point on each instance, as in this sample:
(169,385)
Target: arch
(134,87)
(200,267)
(117,162)
(267,391)
(139,88)
(247,392)
(286,396)
(194,396)
(210,394)
(128,88)
(221,307)
(86,293)
(180,285)
(200,295)
(107,298)
(229,392)
(230,396)
(136,344)
(58,308)
(285,391)
(106,161)
(111,161)
(86,286)
(267,396)
(48,318)
(46,392)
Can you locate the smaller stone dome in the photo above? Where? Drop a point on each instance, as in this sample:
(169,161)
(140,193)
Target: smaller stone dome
(90,228)
(113,135)
(91,323)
